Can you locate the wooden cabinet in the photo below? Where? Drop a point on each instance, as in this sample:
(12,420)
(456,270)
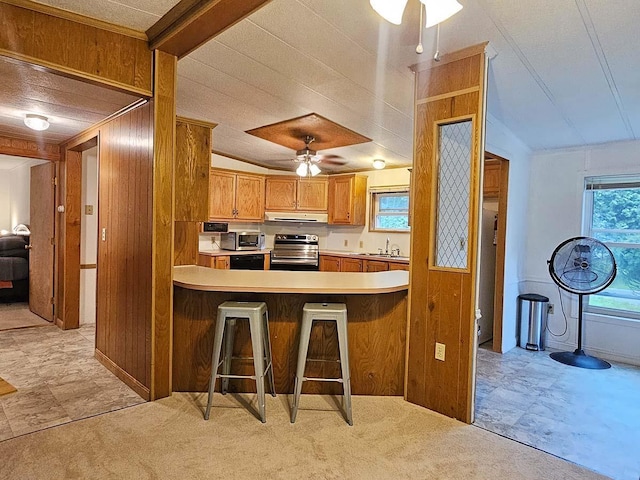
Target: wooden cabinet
(192,164)
(220,262)
(347,199)
(376,266)
(351,264)
(295,193)
(329,264)
(398,266)
(236,196)
(491,183)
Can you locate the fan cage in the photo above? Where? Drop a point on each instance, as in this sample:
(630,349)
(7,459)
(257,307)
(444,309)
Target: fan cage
(558,278)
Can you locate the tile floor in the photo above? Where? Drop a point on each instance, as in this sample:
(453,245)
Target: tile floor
(590,417)
(58,379)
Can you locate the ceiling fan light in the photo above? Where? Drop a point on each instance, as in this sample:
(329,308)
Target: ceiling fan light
(314,169)
(379,164)
(390,10)
(302,169)
(36,122)
(439,10)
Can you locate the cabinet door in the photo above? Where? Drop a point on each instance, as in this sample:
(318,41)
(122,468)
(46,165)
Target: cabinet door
(206,261)
(398,266)
(376,266)
(340,206)
(280,193)
(329,264)
(250,198)
(222,194)
(192,165)
(491,185)
(350,264)
(221,262)
(313,194)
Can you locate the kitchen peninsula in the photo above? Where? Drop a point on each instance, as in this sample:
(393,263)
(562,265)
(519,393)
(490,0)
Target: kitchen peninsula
(377,312)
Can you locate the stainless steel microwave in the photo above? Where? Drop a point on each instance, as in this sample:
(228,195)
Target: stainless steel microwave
(242,241)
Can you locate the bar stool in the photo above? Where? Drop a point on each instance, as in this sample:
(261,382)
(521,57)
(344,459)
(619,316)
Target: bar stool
(258,316)
(334,312)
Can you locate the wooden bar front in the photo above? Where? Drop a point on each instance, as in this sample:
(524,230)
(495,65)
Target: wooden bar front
(377,340)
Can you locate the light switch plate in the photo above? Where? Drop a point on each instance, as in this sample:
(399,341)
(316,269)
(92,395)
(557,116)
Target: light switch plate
(440,348)
(88,209)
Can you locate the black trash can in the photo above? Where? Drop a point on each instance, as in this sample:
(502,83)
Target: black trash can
(533,310)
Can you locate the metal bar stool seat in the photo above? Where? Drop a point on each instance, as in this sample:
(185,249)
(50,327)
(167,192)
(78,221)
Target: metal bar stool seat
(336,312)
(258,316)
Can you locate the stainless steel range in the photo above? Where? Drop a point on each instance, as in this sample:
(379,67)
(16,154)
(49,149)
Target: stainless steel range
(295,252)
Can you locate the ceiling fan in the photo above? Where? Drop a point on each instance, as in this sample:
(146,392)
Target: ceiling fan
(308,159)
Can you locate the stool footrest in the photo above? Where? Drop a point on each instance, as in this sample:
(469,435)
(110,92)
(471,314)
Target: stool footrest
(337,360)
(219,375)
(316,379)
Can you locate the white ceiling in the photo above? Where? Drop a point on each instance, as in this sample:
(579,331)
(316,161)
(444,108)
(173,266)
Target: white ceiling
(566,72)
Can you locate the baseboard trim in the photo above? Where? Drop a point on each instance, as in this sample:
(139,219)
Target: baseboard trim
(131,382)
(598,352)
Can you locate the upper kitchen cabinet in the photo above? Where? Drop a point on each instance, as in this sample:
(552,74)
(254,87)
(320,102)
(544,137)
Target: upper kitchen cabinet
(295,193)
(236,196)
(347,199)
(193,157)
(491,184)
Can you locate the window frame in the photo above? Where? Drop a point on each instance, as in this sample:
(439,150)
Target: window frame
(600,182)
(392,190)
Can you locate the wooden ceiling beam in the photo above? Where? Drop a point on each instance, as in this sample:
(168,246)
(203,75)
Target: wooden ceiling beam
(19,147)
(192,23)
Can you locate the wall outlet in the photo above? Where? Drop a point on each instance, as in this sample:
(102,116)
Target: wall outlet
(346,243)
(361,244)
(550,309)
(440,347)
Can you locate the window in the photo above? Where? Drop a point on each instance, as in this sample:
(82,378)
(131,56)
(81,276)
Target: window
(612,215)
(390,209)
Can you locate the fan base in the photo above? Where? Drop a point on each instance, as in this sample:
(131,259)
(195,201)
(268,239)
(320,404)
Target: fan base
(580,359)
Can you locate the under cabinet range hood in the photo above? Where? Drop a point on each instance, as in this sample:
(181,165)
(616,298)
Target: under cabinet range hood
(296,217)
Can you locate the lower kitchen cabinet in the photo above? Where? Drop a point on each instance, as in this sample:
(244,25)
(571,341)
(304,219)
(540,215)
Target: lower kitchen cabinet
(375,266)
(398,266)
(350,264)
(329,264)
(220,262)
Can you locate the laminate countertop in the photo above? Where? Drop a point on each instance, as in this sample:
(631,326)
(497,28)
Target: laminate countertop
(275,281)
(227,253)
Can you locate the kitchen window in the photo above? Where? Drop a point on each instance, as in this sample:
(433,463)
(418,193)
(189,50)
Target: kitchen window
(612,215)
(389,209)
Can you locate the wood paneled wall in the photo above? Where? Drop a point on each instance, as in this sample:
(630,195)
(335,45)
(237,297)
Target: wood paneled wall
(377,332)
(76,49)
(442,301)
(164,144)
(124,280)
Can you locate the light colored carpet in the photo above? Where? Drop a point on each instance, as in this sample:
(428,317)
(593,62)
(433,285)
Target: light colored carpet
(18,315)
(6,387)
(169,439)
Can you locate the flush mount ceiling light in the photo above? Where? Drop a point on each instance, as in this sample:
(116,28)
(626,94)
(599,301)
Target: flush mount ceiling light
(437,11)
(36,122)
(378,164)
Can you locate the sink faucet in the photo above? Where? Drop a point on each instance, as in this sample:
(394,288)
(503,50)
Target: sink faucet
(386,249)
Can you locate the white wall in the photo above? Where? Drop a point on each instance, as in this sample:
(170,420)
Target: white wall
(500,141)
(557,180)
(15,183)
(89,236)
(332,237)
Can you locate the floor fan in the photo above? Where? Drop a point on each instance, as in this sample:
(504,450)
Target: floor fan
(584,266)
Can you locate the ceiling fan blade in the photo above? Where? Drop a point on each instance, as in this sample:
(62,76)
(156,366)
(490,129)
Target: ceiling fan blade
(332,160)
